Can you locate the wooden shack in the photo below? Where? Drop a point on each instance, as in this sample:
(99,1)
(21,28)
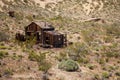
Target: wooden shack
(37,28)
(45,34)
(54,39)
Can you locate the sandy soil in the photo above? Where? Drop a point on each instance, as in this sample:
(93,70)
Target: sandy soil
(45,2)
(91,6)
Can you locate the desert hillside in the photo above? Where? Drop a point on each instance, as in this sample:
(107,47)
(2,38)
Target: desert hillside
(93,35)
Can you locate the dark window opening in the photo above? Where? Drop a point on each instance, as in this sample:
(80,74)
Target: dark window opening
(47,40)
(28,33)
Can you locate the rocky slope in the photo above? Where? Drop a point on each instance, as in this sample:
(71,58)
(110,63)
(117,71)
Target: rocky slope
(93,26)
(73,8)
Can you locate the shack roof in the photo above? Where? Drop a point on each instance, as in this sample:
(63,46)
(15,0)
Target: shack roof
(53,32)
(44,25)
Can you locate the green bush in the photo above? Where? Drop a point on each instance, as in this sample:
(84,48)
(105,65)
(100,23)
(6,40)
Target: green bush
(33,56)
(68,65)
(83,60)
(44,66)
(17,57)
(91,66)
(101,61)
(3,54)
(3,47)
(37,57)
(105,75)
(30,17)
(112,54)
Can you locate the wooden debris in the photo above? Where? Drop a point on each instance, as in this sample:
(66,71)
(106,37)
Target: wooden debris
(20,37)
(93,19)
(11,13)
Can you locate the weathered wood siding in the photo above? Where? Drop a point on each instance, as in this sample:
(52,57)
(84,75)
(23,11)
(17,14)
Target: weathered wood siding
(55,40)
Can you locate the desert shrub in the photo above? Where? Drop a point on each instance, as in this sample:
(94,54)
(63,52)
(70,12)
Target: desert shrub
(33,56)
(42,63)
(105,75)
(3,54)
(112,54)
(96,77)
(3,36)
(112,68)
(37,57)
(83,60)
(113,29)
(101,61)
(44,66)
(20,56)
(8,72)
(77,51)
(117,73)
(30,41)
(2,44)
(112,51)
(16,57)
(61,56)
(68,65)
(41,59)
(3,47)
(29,17)
(108,39)
(91,66)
